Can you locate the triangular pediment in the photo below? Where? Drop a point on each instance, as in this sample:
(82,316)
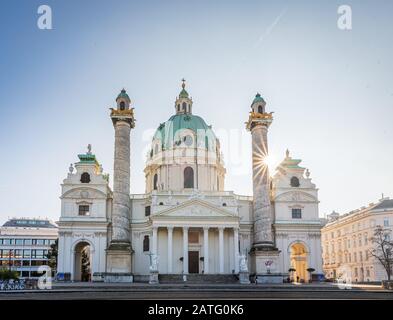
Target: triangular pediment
(196,208)
(295,196)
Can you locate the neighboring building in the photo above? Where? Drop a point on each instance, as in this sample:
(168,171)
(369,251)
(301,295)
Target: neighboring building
(24,245)
(346,243)
(185,217)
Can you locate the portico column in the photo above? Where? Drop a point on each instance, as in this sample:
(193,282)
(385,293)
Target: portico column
(185,250)
(170,237)
(236,248)
(221,248)
(206,249)
(155,229)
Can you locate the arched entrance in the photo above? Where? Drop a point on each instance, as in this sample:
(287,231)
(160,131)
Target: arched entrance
(82,269)
(298,258)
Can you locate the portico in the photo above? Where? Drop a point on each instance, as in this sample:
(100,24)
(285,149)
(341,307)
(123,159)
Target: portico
(205,240)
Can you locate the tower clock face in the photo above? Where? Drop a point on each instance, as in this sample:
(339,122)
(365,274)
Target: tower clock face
(188,140)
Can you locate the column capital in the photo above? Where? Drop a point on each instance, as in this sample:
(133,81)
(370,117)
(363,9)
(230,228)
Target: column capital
(206,228)
(170,228)
(185,228)
(221,228)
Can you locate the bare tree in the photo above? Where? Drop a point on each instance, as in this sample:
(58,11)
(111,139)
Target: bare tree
(383,248)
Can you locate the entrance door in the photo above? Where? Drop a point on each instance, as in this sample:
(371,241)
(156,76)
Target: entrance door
(193,262)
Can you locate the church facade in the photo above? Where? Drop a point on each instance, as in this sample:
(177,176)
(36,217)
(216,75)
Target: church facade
(186,223)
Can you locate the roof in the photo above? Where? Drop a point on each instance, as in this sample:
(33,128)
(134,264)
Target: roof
(258,98)
(385,204)
(87,158)
(29,223)
(167,132)
(123,94)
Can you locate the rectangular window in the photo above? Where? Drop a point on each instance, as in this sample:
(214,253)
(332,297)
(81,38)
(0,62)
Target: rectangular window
(35,263)
(26,263)
(386,222)
(84,210)
(17,254)
(26,253)
(38,242)
(8,242)
(19,242)
(1,242)
(147,211)
(296,213)
(37,254)
(28,242)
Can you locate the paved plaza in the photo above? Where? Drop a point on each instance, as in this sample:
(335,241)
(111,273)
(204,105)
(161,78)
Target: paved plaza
(78,291)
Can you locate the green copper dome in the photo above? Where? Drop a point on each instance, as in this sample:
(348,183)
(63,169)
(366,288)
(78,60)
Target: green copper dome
(170,132)
(183,94)
(258,98)
(123,94)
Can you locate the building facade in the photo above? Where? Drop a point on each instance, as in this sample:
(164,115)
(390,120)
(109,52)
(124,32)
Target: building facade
(24,245)
(346,243)
(186,222)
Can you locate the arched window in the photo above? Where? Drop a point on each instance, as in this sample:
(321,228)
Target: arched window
(188,177)
(184,105)
(155,181)
(85,177)
(295,182)
(146,243)
(122,105)
(178,108)
(260,109)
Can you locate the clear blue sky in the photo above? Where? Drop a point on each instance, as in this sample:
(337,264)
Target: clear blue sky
(331,90)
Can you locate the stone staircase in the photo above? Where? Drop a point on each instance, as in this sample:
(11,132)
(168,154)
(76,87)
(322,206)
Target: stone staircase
(199,278)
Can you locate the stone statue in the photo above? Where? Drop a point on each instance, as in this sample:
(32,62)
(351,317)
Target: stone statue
(153,262)
(89,148)
(71,168)
(243,263)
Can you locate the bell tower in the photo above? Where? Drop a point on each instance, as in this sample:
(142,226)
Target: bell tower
(119,251)
(264,253)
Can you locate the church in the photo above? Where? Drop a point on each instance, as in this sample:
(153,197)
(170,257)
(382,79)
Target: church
(186,226)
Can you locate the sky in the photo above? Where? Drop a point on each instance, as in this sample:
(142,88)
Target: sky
(331,90)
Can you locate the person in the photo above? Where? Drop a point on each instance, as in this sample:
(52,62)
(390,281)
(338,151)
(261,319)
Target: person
(297,279)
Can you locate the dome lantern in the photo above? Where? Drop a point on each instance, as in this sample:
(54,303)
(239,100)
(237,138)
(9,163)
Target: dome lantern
(183,104)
